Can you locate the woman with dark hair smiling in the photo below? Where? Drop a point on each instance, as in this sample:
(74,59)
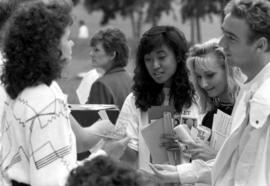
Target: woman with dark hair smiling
(160,78)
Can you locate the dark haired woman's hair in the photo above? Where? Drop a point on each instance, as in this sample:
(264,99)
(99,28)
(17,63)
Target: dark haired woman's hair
(149,93)
(104,171)
(31,45)
(113,40)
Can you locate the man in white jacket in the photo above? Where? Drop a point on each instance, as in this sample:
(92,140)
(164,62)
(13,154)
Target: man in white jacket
(244,157)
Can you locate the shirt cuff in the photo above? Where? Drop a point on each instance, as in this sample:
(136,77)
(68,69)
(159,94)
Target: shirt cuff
(133,144)
(99,152)
(186,173)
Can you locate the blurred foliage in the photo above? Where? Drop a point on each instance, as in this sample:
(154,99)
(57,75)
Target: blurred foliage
(111,8)
(75,2)
(138,11)
(150,11)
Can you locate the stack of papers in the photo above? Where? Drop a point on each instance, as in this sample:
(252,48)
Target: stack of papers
(152,135)
(221,129)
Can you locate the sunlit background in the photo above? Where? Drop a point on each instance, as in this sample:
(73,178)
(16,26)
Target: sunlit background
(200,20)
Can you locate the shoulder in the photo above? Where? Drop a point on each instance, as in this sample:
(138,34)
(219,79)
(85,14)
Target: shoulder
(42,95)
(129,101)
(120,75)
(262,93)
(260,105)
(115,81)
(101,86)
(129,104)
(131,98)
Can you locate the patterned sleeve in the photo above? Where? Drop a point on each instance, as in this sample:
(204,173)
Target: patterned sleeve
(100,94)
(52,149)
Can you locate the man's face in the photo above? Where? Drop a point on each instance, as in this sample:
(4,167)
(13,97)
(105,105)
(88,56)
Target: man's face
(239,51)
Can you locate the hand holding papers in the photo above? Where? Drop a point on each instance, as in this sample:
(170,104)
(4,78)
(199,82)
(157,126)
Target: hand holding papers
(115,148)
(200,133)
(152,136)
(183,133)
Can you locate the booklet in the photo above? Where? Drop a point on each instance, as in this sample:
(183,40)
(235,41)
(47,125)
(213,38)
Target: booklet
(221,129)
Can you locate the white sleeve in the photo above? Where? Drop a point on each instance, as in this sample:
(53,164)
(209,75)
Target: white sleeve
(197,171)
(129,120)
(51,146)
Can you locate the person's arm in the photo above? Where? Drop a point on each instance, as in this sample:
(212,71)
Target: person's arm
(198,171)
(127,122)
(130,156)
(85,137)
(100,94)
(51,144)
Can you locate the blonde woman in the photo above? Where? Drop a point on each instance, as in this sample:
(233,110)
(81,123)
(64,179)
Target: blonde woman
(217,85)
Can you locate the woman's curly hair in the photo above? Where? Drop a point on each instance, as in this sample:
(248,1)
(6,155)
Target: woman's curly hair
(31,45)
(104,171)
(149,93)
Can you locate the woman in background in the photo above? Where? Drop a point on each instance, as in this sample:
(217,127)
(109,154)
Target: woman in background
(110,53)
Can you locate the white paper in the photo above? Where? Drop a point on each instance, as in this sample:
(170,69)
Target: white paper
(168,129)
(152,136)
(220,130)
(92,107)
(104,130)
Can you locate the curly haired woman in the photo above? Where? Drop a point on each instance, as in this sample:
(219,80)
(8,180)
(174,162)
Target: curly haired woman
(38,140)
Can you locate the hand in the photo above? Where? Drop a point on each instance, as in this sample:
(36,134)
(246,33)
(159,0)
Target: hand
(200,151)
(169,142)
(115,148)
(165,173)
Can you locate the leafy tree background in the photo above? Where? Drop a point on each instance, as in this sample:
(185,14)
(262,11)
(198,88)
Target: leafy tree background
(141,12)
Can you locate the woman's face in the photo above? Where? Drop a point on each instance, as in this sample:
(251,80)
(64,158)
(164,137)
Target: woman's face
(161,64)
(211,76)
(100,59)
(66,45)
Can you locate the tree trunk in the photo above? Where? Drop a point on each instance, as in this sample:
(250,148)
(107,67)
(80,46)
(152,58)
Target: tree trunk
(133,24)
(139,23)
(192,31)
(198,26)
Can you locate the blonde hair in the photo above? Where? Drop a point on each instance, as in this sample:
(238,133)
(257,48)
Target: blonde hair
(197,54)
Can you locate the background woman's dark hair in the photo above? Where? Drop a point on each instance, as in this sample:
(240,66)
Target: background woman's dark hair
(31,45)
(104,171)
(113,40)
(146,90)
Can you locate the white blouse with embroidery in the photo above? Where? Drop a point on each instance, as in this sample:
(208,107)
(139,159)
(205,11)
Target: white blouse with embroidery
(38,143)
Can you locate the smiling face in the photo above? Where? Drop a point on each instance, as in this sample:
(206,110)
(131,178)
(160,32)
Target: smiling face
(161,64)
(211,76)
